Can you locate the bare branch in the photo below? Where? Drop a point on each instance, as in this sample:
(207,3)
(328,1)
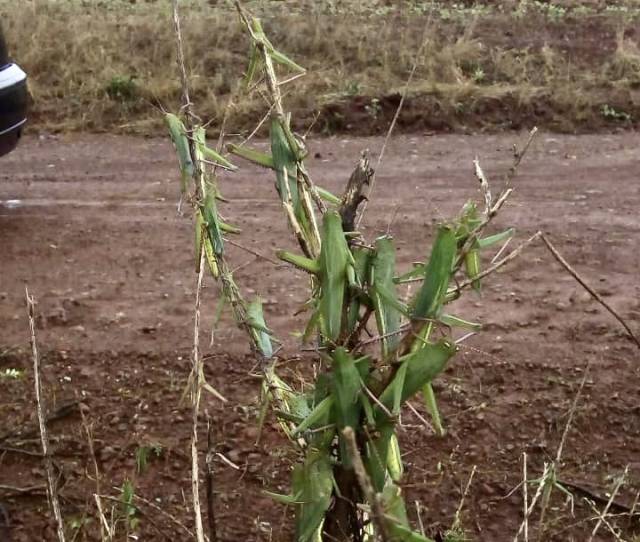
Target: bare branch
(353,195)
(377,509)
(621,480)
(196,391)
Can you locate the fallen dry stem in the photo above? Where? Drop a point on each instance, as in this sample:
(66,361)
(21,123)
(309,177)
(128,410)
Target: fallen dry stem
(457,521)
(500,263)
(158,509)
(572,412)
(588,288)
(601,517)
(621,480)
(96,470)
(52,485)
(539,490)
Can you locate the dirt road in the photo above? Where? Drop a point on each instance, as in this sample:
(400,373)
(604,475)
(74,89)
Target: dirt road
(90,224)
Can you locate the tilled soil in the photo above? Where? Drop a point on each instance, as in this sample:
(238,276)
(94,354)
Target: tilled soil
(90,224)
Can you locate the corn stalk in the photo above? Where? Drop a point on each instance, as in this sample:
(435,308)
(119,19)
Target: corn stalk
(349,416)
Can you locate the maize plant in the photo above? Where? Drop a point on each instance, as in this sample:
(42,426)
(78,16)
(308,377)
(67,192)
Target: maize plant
(343,425)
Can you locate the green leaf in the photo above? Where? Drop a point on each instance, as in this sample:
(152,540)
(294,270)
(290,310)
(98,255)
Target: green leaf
(377,453)
(283,499)
(497,238)
(252,155)
(416,272)
(346,389)
(432,407)
(394,459)
(328,196)
(431,295)
(318,417)
(472,266)
(394,505)
(199,137)
(313,482)
(334,259)
(284,60)
(422,366)
(228,228)
(383,293)
(396,514)
(346,393)
(454,321)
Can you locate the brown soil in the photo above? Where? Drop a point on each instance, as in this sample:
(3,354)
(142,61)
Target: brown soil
(90,224)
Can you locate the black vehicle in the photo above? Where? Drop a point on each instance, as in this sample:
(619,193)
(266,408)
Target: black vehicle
(13,100)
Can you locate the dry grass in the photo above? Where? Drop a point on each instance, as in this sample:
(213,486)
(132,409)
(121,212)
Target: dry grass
(107,65)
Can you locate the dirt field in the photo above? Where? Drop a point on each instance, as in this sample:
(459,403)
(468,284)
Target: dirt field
(90,224)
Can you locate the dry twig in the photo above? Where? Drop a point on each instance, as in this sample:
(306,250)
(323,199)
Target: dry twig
(588,288)
(377,509)
(52,485)
(197,362)
(621,480)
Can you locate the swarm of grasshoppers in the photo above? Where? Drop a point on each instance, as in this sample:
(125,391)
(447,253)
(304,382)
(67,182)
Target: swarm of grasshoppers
(354,287)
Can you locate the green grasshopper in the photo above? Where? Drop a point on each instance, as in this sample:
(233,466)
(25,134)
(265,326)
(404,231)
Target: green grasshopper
(265,160)
(468,222)
(384,297)
(335,271)
(260,38)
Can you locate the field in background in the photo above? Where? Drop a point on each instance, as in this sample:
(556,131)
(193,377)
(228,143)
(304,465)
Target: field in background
(109,65)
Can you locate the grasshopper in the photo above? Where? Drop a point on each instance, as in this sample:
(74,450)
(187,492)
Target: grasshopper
(335,271)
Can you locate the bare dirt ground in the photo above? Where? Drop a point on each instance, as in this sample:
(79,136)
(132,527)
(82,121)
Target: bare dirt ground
(90,224)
